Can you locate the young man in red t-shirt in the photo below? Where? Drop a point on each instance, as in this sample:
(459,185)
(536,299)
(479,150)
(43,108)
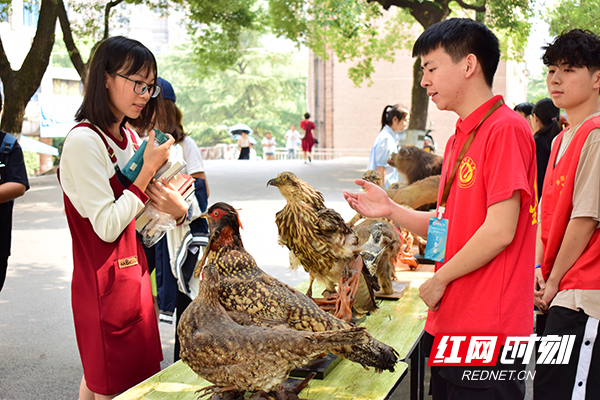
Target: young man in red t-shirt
(485,282)
(569,239)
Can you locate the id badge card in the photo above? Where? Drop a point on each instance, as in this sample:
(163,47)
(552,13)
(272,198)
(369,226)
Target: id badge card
(436,239)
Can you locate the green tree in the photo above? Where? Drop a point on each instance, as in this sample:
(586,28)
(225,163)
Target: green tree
(266,91)
(215,27)
(571,14)
(21,84)
(356,31)
(217,31)
(536,88)
(91,24)
(215,24)
(32,162)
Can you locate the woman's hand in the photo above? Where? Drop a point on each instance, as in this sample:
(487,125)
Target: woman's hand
(373,202)
(166,199)
(156,156)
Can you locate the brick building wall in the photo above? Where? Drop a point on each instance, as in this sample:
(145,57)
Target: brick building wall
(349,117)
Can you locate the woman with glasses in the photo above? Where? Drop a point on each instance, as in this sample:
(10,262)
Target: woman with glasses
(115,323)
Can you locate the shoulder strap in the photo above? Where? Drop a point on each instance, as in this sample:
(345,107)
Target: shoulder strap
(111,152)
(136,146)
(8,143)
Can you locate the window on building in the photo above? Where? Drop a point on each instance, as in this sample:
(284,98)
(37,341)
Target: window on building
(161,24)
(160,36)
(36,96)
(67,87)
(31,12)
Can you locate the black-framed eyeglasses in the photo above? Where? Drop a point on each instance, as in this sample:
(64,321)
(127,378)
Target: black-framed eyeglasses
(140,87)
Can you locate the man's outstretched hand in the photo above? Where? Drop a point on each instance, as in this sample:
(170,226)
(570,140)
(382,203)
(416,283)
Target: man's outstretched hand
(373,202)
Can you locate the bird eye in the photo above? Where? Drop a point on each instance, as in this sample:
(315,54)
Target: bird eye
(284,178)
(216,213)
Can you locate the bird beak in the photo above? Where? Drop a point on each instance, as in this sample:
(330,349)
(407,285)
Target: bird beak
(273,182)
(204,215)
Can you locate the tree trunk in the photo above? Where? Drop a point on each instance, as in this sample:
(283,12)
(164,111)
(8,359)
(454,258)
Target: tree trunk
(426,14)
(14,110)
(80,66)
(20,85)
(419,100)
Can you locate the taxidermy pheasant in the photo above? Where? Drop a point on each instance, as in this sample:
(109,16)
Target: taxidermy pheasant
(252,297)
(320,241)
(247,358)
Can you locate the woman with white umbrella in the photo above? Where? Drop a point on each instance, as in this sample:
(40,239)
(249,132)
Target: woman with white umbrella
(244,142)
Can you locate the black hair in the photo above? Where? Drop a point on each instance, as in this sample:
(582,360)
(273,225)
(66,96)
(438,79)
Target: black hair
(577,48)
(389,112)
(170,119)
(460,37)
(525,108)
(546,111)
(115,54)
(549,116)
(307,116)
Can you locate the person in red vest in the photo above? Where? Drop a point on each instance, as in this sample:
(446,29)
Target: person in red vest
(568,256)
(483,282)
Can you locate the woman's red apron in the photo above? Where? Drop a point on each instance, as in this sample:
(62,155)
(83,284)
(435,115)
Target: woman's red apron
(115,322)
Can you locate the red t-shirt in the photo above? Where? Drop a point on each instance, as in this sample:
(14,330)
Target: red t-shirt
(307,141)
(498,297)
(307,126)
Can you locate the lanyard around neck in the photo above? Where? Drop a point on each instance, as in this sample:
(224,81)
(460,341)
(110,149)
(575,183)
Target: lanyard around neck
(461,155)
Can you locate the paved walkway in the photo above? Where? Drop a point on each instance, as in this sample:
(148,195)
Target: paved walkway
(38,350)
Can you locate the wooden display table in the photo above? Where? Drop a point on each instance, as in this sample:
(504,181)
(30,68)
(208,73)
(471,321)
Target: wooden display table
(398,323)
(179,382)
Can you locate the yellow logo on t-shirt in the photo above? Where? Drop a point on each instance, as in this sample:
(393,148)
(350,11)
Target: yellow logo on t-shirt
(533,208)
(466,173)
(561,182)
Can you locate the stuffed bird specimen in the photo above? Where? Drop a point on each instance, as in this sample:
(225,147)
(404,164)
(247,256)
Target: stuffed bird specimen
(252,297)
(380,245)
(420,195)
(319,239)
(374,177)
(247,358)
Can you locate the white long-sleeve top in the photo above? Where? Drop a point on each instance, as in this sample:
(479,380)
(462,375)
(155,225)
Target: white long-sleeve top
(85,171)
(192,156)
